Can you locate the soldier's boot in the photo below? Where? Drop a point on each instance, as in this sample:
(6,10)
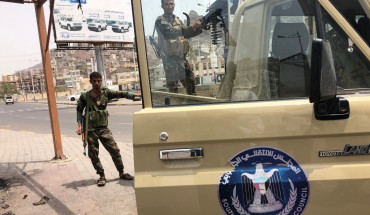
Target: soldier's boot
(193,88)
(172,87)
(102,180)
(188,90)
(125,176)
(190,87)
(190,82)
(187,86)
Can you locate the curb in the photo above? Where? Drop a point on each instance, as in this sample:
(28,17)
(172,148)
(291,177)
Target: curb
(75,103)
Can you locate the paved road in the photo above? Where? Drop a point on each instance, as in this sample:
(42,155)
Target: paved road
(34,117)
(25,152)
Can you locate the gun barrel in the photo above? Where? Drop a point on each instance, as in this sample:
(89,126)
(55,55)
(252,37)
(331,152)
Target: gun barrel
(157,49)
(84,143)
(211,16)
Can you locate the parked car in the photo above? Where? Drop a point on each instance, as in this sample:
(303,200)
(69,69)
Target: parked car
(97,25)
(121,26)
(70,23)
(75,97)
(9,99)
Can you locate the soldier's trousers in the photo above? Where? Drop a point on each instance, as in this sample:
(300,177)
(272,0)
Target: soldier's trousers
(178,69)
(106,138)
(188,83)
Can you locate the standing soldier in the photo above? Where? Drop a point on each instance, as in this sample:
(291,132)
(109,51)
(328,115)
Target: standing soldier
(96,125)
(172,37)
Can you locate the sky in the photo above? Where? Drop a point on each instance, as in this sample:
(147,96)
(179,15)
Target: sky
(19,42)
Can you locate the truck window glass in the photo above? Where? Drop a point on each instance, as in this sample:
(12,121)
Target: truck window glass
(351,66)
(272,61)
(356,16)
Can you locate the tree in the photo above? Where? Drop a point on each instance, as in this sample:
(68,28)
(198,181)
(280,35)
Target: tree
(8,89)
(61,88)
(84,71)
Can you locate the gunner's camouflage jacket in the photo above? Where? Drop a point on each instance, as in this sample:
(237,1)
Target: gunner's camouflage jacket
(173,35)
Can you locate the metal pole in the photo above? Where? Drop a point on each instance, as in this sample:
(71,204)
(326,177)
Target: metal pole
(100,64)
(133,55)
(20,75)
(33,86)
(55,81)
(45,53)
(22,87)
(199,58)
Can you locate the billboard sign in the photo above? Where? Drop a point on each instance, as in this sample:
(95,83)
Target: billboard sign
(93,21)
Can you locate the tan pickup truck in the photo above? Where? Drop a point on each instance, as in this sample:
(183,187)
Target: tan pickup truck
(281,120)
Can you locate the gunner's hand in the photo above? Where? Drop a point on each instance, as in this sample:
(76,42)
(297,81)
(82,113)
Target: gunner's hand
(197,24)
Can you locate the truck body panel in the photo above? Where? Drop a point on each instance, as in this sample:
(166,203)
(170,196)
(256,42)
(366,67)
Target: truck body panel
(252,143)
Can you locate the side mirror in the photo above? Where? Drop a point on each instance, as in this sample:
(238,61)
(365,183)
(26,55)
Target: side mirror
(323,84)
(323,80)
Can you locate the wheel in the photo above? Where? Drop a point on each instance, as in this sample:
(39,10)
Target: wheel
(73,98)
(122,30)
(99,28)
(6,103)
(68,27)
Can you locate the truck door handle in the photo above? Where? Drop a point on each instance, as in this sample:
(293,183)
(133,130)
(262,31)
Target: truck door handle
(176,154)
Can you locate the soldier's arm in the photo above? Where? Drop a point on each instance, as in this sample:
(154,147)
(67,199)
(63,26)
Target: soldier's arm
(81,104)
(193,30)
(121,94)
(171,32)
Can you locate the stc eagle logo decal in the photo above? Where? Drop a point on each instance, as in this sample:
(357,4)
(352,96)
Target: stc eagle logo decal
(264,181)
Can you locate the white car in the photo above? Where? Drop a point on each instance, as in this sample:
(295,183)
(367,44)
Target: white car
(121,26)
(9,99)
(70,23)
(74,97)
(97,25)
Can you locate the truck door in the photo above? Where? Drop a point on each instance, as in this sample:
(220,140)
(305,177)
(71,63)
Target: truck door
(250,142)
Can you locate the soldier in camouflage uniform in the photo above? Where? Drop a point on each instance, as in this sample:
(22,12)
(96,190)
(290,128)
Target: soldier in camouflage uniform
(172,37)
(96,117)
